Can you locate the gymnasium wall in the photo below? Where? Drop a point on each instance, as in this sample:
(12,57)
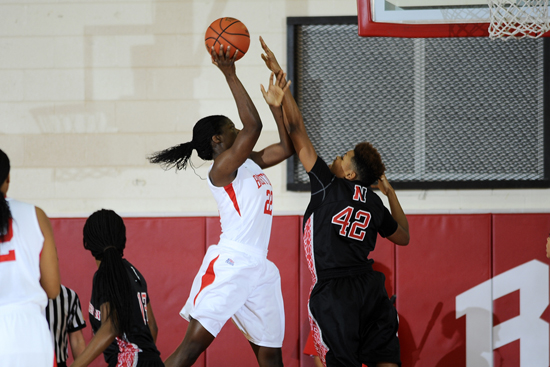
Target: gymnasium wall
(89,88)
(472,290)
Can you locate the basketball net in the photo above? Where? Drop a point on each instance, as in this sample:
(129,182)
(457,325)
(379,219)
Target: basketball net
(518,18)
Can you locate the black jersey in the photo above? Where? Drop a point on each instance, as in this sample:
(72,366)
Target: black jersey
(140,334)
(341,223)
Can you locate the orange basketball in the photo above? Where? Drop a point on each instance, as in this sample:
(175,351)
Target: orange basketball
(227,32)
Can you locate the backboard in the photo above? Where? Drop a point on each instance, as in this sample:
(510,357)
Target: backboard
(423,18)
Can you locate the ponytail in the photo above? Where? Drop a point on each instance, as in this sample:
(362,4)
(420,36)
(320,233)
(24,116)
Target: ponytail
(105,237)
(5,213)
(177,156)
(5,216)
(203,131)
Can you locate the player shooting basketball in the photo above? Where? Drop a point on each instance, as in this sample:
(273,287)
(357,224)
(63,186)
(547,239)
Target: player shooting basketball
(236,280)
(352,319)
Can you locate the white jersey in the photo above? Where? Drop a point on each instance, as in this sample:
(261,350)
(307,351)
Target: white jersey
(20,259)
(245,207)
(24,335)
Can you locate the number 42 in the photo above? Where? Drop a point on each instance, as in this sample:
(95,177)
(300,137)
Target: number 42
(358,226)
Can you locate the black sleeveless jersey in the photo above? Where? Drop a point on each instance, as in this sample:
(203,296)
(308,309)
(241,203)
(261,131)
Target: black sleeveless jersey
(341,223)
(140,334)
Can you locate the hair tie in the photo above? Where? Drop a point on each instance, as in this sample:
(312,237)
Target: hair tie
(108,247)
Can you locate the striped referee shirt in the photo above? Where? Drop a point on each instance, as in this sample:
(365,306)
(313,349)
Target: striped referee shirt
(64,316)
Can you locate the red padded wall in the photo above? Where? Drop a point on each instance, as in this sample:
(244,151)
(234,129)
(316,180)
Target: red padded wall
(447,255)
(517,239)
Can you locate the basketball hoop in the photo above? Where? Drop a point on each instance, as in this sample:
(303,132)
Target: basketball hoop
(518,18)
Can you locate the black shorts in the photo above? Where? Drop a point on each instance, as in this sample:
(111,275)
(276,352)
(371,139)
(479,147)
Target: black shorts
(358,323)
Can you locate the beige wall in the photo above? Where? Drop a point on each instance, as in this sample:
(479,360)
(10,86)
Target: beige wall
(89,88)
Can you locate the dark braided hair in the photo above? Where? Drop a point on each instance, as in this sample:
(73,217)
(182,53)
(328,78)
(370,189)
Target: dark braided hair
(203,131)
(105,237)
(5,213)
(368,163)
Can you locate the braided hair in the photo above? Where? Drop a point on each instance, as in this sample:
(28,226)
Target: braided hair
(5,213)
(368,163)
(203,131)
(105,237)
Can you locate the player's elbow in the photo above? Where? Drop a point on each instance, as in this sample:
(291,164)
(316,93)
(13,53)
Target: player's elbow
(404,241)
(401,237)
(52,291)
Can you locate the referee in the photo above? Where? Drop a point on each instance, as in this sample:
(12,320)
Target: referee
(64,316)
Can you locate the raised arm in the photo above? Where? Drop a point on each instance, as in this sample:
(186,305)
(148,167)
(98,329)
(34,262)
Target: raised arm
(293,120)
(278,152)
(401,235)
(49,264)
(226,164)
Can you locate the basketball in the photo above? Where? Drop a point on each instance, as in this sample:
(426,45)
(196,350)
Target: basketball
(227,32)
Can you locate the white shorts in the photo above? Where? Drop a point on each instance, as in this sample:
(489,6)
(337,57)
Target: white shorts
(239,285)
(25,337)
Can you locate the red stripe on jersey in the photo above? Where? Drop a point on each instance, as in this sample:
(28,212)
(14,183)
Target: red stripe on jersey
(8,236)
(207,278)
(9,257)
(320,347)
(308,248)
(233,197)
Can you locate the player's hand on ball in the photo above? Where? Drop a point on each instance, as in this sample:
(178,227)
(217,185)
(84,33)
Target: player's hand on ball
(222,59)
(276,90)
(269,58)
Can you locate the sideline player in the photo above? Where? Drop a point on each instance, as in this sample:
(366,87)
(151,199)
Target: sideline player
(29,275)
(352,319)
(236,280)
(66,322)
(121,316)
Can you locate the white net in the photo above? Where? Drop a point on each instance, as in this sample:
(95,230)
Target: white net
(518,18)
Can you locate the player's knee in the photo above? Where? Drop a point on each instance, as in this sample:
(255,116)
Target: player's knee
(191,352)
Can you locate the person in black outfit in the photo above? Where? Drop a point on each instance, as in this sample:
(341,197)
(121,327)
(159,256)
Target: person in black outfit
(120,311)
(352,319)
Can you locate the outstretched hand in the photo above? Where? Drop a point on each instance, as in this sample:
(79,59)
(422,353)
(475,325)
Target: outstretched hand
(269,58)
(276,90)
(383,185)
(223,61)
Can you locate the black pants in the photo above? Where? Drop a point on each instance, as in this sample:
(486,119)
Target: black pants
(358,323)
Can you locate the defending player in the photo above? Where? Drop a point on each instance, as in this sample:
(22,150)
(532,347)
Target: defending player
(235,279)
(351,316)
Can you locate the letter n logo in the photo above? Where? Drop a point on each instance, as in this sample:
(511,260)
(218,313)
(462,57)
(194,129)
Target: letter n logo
(360,194)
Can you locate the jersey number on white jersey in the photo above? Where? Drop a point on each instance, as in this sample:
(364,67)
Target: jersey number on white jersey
(268,209)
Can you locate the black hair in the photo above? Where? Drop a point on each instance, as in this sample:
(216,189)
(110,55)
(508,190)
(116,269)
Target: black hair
(368,163)
(203,131)
(105,237)
(5,213)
